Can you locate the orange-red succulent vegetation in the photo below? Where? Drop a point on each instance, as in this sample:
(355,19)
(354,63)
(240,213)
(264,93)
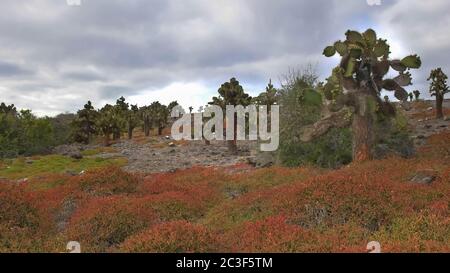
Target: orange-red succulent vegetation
(221,210)
(24,224)
(173,237)
(104,222)
(108,181)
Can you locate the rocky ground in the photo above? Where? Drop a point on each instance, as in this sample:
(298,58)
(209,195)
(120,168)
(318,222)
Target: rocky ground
(422,121)
(162,154)
(169,156)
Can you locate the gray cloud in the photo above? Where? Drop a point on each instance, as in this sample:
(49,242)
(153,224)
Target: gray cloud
(83,76)
(9,69)
(64,55)
(111,91)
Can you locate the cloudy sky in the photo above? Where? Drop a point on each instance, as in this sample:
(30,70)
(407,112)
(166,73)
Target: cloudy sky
(55,57)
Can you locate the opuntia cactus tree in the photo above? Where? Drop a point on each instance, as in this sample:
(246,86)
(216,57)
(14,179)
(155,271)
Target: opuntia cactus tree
(438,89)
(269,97)
(106,122)
(354,89)
(147,119)
(84,124)
(132,119)
(121,109)
(231,93)
(416,94)
(160,114)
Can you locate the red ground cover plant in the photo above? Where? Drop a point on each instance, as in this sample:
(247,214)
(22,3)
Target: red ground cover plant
(276,234)
(107,181)
(172,237)
(185,195)
(24,226)
(236,209)
(418,233)
(272,234)
(437,146)
(104,222)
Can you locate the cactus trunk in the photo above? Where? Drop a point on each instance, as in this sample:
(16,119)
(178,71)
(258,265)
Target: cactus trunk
(439,101)
(232,144)
(362,138)
(130,133)
(362,129)
(146,128)
(106,140)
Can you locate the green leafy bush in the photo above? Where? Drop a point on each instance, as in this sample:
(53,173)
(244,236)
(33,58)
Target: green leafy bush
(301,105)
(330,151)
(22,133)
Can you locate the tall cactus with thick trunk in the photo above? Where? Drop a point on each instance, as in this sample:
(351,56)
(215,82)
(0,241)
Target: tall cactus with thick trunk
(416,94)
(231,93)
(353,91)
(438,88)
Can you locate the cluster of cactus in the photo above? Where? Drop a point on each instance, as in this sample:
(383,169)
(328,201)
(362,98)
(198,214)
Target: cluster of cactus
(155,115)
(269,97)
(364,64)
(438,88)
(414,95)
(160,114)
(7,109)
(114,120)
(356,85)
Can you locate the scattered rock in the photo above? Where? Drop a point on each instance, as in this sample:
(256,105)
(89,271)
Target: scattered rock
(424,177)
(72,173)
(428,126)
(23,180)
(381,151)
(156,159)
(29,161)
(167,137)
(171,144)
(251,160)
(233,194)
(421,137)
(62,217)
(67,149)
(76,155)
(430,109)
(265,159)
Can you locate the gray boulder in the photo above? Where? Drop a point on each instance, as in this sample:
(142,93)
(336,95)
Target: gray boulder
(424,177)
